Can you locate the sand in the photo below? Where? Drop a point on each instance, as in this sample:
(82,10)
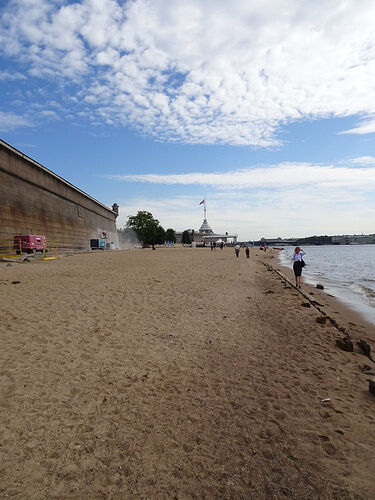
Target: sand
(178,373)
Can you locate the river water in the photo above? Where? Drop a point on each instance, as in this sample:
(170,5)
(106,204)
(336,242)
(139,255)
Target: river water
(346,271)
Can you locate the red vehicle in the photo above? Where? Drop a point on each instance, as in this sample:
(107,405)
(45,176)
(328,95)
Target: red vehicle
(30,243)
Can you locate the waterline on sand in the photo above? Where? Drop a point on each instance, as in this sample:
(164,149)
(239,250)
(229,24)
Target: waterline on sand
(347,272)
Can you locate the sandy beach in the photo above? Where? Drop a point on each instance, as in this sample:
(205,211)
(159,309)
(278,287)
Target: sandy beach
(179,373)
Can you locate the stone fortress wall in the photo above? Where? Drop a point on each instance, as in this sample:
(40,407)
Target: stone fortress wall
(34,200)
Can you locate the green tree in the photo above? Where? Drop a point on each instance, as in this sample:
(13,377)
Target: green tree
(186,237)
(160,235)
(145,226)
(170,235)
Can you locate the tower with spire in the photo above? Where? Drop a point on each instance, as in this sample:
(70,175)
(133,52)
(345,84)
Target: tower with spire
(205,228)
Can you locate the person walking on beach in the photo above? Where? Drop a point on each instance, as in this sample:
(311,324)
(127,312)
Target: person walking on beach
(247,251)
(237,250)
(298,264)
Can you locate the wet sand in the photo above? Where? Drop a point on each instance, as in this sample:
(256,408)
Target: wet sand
(179,373)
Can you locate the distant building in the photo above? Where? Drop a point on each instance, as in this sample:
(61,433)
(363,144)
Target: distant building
(353,239)
(206,234)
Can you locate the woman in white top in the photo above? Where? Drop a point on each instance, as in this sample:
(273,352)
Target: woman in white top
(297,265)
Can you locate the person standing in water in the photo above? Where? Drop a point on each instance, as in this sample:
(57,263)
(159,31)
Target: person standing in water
(298,265)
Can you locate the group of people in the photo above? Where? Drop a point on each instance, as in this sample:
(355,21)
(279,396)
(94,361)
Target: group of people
(237,251)
(213,245)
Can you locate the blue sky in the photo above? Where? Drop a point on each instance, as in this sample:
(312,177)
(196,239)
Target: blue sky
(264,108)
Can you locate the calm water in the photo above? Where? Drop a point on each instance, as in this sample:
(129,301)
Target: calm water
(346,271)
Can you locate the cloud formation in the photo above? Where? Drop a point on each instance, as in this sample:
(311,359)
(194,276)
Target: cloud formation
(201,72)
(292,212)
(10,76)
(363,160)
(284,175)
(11,121)
(280,200)
(365,127)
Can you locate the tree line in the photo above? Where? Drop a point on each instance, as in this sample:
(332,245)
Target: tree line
(149,230)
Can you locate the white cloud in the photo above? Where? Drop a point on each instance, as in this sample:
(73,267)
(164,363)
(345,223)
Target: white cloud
(282,200)
(50,114)
(366,127)
(203,72)
(291,212)
(11,75)
(363,160)
(10,121)
(284,175)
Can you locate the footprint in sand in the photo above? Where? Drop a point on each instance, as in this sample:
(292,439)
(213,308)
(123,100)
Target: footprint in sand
(327,446)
